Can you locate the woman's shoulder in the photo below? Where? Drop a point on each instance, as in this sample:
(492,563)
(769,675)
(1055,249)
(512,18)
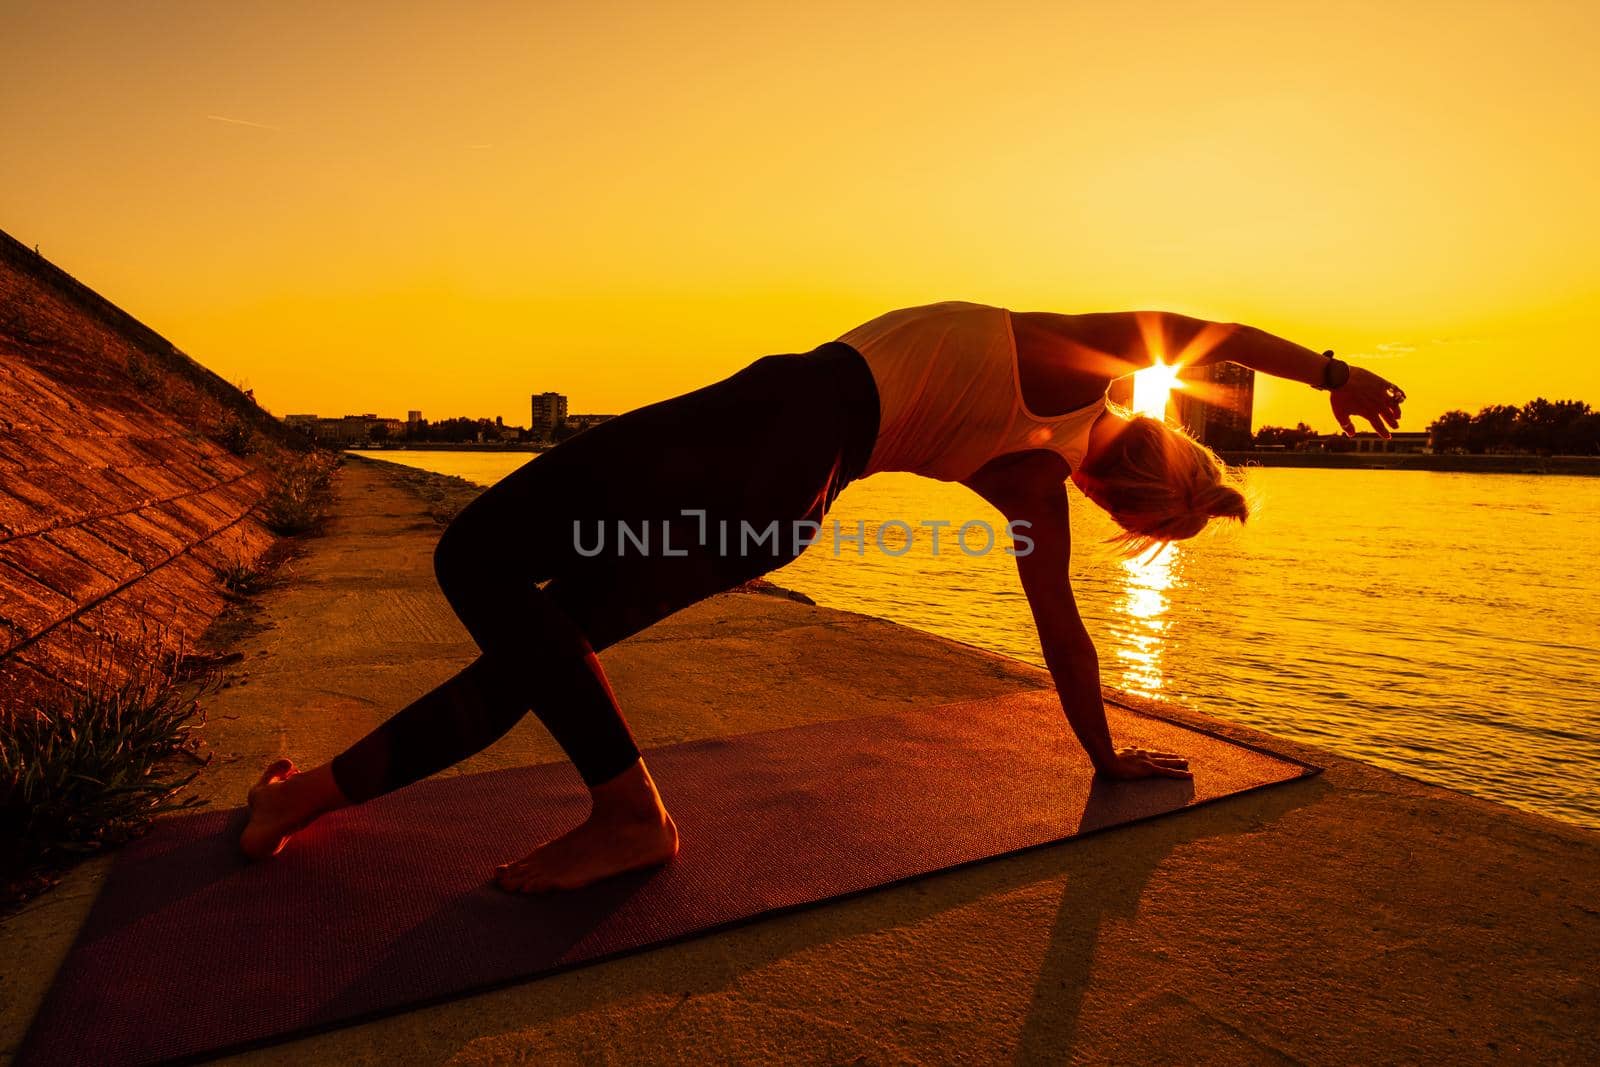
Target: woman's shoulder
(1062,367)
(944,307)
(915,317)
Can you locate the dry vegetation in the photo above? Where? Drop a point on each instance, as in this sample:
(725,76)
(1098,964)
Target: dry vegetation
(87,770)
(301,492)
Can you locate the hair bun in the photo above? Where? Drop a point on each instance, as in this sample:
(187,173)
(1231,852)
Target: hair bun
(1222,500)
(1160,485)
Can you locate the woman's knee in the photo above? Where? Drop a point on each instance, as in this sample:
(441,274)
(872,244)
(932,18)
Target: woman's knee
(464,556)
(489,570)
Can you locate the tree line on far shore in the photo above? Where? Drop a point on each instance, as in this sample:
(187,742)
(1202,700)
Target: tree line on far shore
(468,431)
(1546,427)
(453,431)
(1549,427)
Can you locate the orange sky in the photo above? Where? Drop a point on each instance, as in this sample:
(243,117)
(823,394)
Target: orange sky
(450,206)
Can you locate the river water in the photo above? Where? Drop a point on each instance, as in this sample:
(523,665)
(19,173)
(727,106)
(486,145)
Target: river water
(1437,624)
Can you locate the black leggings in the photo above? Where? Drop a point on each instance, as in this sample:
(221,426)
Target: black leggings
(590,542)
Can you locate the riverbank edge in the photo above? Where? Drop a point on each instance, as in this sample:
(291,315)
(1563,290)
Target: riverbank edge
(1360,914)
(1582,466)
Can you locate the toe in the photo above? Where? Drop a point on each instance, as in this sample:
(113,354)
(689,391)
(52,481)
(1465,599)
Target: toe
(532,861)
(277,771)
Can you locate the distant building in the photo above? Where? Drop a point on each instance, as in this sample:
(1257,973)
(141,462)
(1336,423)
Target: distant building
(549,413)
(413,421)
(1218,406)
(579,423)
(348,430)
(1368,441)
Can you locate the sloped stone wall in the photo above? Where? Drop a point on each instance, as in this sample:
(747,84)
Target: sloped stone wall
(128,475)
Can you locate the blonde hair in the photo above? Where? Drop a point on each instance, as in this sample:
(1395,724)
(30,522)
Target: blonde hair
(1160,485)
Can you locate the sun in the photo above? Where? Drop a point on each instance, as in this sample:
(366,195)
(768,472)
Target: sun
(1152,387)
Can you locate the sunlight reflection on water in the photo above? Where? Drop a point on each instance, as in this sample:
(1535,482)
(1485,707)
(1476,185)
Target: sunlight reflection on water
(1144,606)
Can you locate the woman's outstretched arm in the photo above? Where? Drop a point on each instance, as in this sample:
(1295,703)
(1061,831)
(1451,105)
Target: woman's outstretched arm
(1114,343)
(1033,496)
(1364,394)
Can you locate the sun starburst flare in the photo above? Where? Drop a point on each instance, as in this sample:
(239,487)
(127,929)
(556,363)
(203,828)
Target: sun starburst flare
(1152,388)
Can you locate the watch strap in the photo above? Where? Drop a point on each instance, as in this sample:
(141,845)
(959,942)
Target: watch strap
(1335,372)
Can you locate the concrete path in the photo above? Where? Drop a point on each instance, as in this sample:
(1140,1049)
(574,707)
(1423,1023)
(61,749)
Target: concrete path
(1360,917)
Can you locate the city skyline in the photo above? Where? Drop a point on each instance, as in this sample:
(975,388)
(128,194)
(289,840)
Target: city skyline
(549,421)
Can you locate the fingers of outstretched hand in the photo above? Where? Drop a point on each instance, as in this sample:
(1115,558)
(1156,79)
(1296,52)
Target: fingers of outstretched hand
(1341,413)
(1363,405)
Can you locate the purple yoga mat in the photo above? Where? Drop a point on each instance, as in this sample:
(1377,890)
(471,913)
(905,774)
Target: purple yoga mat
(190,951)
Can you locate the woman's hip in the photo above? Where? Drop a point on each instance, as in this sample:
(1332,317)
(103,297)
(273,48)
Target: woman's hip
(773,443)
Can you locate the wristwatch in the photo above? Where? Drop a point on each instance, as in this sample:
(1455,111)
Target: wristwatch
(1334,373)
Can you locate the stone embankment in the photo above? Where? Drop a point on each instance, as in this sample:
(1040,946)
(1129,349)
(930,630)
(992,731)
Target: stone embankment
(128,476)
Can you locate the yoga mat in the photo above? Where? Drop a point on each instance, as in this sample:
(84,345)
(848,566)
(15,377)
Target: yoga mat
(190,952)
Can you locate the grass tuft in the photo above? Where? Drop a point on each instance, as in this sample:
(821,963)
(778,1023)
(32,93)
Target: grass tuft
(86,771)
(243,579)
(301,492)
(236,435)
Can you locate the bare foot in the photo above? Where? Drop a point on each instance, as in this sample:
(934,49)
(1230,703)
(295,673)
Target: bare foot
(271,816)
(603,846)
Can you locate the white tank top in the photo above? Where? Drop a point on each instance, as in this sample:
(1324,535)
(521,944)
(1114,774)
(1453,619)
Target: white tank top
(949,395)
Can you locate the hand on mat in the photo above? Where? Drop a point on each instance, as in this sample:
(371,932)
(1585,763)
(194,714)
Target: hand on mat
(1133,763)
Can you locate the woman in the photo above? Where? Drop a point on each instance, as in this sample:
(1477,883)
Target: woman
(645,514)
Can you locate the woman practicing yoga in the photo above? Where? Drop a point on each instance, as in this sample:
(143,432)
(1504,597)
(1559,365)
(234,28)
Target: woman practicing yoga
(640,516)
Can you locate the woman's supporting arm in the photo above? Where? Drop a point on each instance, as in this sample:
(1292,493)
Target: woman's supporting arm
(1069,652)
(1034,497)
